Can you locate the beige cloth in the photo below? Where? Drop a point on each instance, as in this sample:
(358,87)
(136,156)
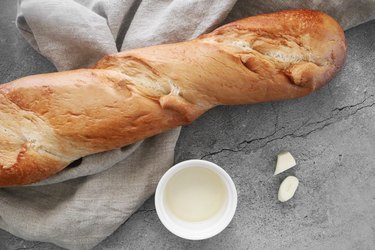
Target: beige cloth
(82,205)
(78,213)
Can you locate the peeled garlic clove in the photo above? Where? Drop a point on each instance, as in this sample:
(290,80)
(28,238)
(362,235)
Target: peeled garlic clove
(287,188)
(284,161)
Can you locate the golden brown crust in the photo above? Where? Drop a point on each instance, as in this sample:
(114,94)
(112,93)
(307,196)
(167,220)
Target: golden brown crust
(30,167)
(48,121)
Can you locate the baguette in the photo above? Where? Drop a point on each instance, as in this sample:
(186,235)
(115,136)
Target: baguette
(48,121)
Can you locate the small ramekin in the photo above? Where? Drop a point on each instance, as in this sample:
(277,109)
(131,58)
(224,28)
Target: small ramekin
(196,230)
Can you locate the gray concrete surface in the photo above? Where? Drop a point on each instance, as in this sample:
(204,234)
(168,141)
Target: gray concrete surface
(331,133)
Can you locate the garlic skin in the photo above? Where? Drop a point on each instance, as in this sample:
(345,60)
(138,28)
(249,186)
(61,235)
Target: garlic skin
(285,161)
(288,188)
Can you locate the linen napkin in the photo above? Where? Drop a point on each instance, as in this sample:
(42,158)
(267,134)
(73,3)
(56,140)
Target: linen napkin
(78,213)
(82,205)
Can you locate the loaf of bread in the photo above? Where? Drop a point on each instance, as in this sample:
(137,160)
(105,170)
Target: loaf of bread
(48,121)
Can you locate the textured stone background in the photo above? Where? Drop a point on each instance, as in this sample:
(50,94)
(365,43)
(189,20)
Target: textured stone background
(331,133)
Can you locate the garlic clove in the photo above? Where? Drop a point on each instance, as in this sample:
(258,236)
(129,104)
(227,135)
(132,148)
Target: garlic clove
(284,161)
(287,188)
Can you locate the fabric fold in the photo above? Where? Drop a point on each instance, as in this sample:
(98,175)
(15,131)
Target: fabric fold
(82,205)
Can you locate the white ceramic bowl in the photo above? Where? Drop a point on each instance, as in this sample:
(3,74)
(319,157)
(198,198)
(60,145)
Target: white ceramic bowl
(203,229)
